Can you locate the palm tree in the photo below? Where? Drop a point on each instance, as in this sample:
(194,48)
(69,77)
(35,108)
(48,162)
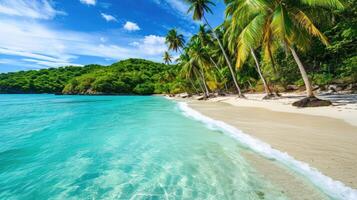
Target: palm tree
(293,25)
(290,23)
(190,70)
(167,58)
(200,58)
(174,40)
(199,8)
(203,36)
(246,35)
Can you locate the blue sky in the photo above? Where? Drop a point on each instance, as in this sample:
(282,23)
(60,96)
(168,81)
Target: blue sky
(37,34)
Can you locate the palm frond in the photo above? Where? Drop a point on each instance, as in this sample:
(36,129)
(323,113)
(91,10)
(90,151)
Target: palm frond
(250,37)
(332,4)
(282,25)
(309,26)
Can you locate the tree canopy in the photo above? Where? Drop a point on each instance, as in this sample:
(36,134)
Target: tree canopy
(261,45)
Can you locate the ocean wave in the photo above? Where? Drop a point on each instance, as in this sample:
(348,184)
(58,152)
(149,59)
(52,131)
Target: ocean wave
(333,188)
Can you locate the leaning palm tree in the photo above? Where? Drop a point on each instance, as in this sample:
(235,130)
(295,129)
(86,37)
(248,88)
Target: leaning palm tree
(204,37)
(190,70)
(199,56)
(174,40)
(291,23)
(167,58)
(244,36)
(199,8)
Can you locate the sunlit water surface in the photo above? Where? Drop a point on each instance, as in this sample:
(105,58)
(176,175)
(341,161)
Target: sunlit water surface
(117,147)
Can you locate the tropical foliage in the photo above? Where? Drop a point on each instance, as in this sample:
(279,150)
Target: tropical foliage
(133,76)
(273,44)
(262,45)
(50,80)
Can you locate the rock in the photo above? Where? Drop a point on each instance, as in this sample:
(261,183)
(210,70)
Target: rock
(269,96)
(211,95)
(311,102)
(292,87)
(335,88)
(315,87)
(351,87)
(220,93)
(201,97)
(322,88)
(183,95)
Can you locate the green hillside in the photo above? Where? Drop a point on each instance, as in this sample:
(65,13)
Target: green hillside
(132,76)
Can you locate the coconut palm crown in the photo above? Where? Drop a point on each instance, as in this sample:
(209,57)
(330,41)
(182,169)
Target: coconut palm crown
(167,57)
(174,40)
(199,8)
(287,23)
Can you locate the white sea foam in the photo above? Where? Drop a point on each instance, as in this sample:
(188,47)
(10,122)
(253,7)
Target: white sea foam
(335,189)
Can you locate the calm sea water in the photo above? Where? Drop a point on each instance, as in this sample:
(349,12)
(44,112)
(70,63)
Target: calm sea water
(110,147)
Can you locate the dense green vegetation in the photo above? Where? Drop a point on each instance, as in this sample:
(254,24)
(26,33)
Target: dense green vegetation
(261,46)
(272,44)
(133,76)
(50,80)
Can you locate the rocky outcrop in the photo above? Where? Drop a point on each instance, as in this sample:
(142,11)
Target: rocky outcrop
(311,102)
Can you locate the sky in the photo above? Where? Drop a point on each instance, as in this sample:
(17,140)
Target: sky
(36,34)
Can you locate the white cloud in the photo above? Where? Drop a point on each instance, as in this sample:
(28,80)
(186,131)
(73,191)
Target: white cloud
(49,63)
(18,63)
(153,45)
(154,39)
(108,18)
(179,7)
(134,44)
(131,26)
(29,8)
(7,61)
(88,2)
(38,45)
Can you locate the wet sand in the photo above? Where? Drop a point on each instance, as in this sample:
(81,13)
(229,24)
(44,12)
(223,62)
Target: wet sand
(328,144)
(292,185)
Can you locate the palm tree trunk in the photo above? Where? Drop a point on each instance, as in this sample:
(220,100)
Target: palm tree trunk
(214,63)
(303,73)
(199,82)
(226,58)
(219,72)
(204,83)
(266,87)
(202,89)
(193,85)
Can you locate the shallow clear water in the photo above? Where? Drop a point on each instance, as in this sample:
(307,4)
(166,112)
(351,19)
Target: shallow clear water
(110,147)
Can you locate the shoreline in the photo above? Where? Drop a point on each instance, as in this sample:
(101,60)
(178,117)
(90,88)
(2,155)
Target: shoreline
(344,106)
(313,137)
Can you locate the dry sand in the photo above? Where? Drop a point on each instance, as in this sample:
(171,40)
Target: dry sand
(325,138)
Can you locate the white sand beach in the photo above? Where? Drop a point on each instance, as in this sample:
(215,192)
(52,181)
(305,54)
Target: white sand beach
(344,106)
(323,137)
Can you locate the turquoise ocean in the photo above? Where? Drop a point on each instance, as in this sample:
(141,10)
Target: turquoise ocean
(118,147)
